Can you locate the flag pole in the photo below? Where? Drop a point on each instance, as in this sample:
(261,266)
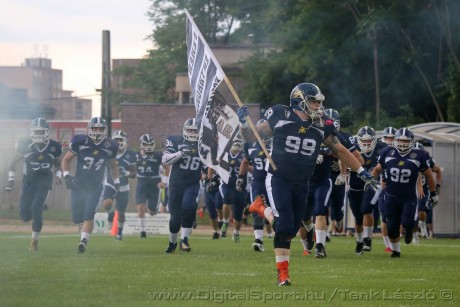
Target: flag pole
(251,124)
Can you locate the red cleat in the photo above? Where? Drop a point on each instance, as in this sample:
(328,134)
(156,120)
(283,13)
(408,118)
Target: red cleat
(201,213)
(258,206)
(306,252)
(388,250)
(283,273)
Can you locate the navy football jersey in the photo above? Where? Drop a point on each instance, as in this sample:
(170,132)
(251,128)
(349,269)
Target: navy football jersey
(401,173)
(91,158)
(370,161)
(322,171)
(234,163)
(349,142)
(296,142)
(257,158)
(187,170)
(148,166)
(38,161)
(125,160)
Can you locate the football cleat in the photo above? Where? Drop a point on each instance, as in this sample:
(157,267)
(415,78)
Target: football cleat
(258,246)
(395,254)
(201,213)
(408,236)
(388,249)
(310,239)
(359,248)
(320,251)
(367,244)
(223,230)
(184,246)
(236,238)
(33,246)
(258,206)
(143,234)
(328,239)
(171,248)
(283,273)
(306,252)
(215,236)
(81,247)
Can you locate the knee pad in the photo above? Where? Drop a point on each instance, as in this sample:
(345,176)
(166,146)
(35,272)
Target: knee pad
(282,241)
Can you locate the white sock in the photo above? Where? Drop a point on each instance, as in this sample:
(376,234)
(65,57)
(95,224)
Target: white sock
(321,236)
(259,234)
(173,237)
(386,240)
(141,221)
(236,232)
(359,236)
(309,227)
(226,220)
(185,232)
(282,258)
(85,235)
(395,247)
(368,231)
(422,226)
(35,235)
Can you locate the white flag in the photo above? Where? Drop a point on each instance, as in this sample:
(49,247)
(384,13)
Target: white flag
(214,103)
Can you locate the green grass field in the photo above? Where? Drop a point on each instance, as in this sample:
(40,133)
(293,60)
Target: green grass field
(136,272)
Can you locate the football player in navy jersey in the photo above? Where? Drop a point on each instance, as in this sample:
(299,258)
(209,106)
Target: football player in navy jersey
(39,155)
(298,131)
(388,136)
(401,165)
(93,152)
(148,179)
(234,200)
(362,197)
(126,159)
(182,157)
(254,162)
(339,174)
(423,206)
(212,198)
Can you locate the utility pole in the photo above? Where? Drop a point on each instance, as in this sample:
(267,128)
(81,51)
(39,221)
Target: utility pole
(106,102)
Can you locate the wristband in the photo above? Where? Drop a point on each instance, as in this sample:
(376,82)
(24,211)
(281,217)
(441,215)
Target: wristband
(116,180)
(11,175)
(244,125)
(66,173)
(59,173)
(360,170)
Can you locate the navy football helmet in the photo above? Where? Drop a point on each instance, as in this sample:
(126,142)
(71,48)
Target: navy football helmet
(366,139)
(419,145)
(388,135)
(304,94)
(190,130)
(147,143)
(94,129)
(334,115)
(122,138)
(404,140)
(39,130)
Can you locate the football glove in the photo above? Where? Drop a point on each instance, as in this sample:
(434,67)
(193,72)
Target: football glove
(68,181)
(341,179)
(369,180)
(239,184)
(320,159)
(242,113)
(438,188)
(335,166)
(434,198)
(10,185)
(212,185)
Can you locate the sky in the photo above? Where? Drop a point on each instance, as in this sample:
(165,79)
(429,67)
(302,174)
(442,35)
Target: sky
(69,32)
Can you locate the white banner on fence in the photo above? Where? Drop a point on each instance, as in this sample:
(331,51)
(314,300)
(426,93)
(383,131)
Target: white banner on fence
(157,225)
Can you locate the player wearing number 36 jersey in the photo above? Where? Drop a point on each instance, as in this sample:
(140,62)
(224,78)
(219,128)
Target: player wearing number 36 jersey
(182,157)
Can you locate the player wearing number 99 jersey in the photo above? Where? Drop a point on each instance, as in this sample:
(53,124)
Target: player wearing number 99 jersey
(182,157)
(298,131)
